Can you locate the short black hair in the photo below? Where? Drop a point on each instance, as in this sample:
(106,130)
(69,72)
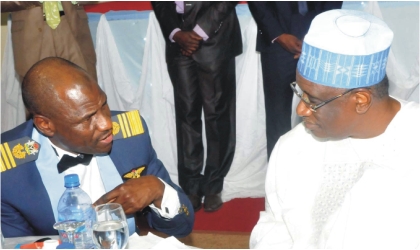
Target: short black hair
(38,85)
(381,89)
(33,97)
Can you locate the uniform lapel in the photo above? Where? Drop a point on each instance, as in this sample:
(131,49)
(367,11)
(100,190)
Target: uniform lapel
(111,178)
(47,167)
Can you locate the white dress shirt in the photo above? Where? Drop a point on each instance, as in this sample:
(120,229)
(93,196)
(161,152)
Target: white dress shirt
(91,182)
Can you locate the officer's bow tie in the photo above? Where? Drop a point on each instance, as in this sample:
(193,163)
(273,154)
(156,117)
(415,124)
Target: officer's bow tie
(68,161)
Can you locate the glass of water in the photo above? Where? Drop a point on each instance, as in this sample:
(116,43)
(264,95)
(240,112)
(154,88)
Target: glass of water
(110,230)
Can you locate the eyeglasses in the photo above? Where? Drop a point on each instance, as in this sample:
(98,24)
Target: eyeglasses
(311,106)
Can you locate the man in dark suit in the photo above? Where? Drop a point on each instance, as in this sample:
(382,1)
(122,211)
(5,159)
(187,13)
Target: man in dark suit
(71,117)
(281,28)
(202,40)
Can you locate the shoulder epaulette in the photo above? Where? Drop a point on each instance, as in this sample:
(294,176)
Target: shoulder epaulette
(127,124)
(18,152)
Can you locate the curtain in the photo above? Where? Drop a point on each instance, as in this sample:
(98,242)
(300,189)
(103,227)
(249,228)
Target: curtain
(12,108)
(151,92)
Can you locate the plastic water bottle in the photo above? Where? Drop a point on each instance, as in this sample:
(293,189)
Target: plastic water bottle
(76,205)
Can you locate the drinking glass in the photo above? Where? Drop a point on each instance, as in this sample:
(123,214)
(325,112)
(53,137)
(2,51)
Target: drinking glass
(110,231)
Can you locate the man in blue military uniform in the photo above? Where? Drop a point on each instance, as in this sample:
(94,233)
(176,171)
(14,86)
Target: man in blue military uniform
(111,151)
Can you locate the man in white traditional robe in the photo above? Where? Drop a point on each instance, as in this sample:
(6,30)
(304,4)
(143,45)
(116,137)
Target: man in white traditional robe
(348,176)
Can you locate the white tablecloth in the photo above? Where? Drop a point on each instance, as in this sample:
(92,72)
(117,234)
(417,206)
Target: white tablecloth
(149,241)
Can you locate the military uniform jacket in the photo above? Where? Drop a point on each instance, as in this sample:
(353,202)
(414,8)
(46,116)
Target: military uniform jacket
(25,204)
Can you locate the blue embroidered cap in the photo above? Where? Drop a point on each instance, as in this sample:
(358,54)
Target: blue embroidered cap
(345,49)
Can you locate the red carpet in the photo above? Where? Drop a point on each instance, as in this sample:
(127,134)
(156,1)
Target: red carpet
(237,215)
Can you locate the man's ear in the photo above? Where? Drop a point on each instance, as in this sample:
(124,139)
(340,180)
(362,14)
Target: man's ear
(44,125)
(363,99)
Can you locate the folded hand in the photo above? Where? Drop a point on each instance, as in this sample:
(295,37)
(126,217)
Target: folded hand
(189,41)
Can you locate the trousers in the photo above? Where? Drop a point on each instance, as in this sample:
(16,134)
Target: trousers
(279,70)
(34,40)
(210,87)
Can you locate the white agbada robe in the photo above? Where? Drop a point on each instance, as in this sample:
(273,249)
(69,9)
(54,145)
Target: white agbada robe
(381,210)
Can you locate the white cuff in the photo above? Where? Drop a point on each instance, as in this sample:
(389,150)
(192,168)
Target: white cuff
(170,202)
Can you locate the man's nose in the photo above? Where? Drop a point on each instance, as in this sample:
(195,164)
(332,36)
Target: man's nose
(302,110)
(104,122)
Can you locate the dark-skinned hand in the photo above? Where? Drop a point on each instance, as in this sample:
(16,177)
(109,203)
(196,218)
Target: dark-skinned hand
(291,44)
(135,194)
(189,41)
(185,53)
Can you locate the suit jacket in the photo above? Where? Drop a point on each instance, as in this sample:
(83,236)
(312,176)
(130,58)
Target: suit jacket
(277,17)
(217,19)
(26,207)
(33,39)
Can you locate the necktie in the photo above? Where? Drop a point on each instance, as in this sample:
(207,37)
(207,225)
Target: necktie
(68,161)
(303,7)
(52,13)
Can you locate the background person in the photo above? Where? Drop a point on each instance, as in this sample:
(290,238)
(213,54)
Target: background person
(43,29)
(202,40)
(281,28)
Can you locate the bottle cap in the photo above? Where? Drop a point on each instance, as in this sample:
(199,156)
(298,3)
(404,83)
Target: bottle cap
(50,244)
(71,180)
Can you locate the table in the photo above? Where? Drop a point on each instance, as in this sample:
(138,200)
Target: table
(10,243)
(134,242)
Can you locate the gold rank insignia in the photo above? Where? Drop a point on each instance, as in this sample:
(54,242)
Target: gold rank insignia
(17,152)
(134,173)
(127,124)
(184,209)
